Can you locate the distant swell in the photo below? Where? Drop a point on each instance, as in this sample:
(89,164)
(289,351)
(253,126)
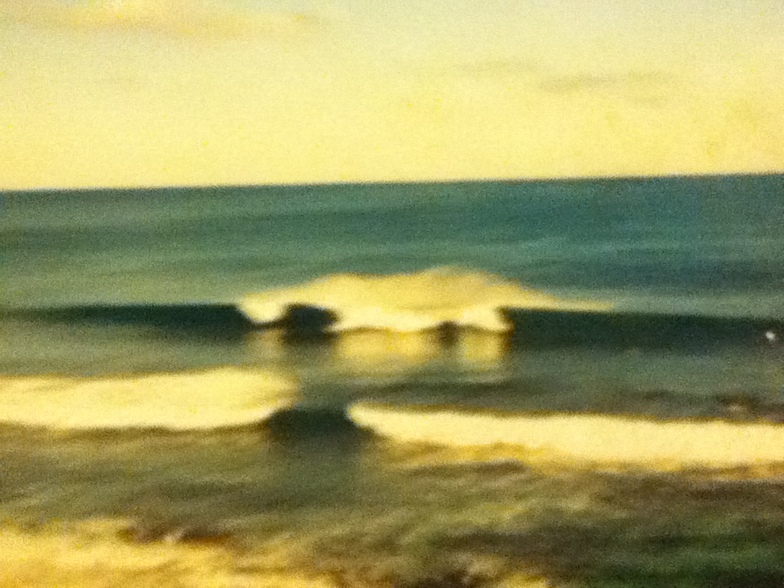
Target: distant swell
(579,439)
(440,298)
(212,399)
(216,320)
(409,302)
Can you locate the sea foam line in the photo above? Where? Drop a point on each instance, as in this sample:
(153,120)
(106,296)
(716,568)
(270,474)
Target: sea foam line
(409,302)
(217,398)
(586,439)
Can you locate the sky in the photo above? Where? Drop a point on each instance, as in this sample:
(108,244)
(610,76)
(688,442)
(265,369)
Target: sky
(131,93)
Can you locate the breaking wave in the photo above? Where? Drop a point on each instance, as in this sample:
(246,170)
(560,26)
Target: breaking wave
(408,302)
(218,398)
(578,438)
(415,304)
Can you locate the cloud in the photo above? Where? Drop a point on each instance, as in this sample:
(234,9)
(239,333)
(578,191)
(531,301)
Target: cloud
(558,83)
(172,18)
(650,87)
(569,84)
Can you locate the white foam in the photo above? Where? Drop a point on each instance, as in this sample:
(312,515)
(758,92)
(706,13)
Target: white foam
(409,302)
(216,398)
(94,554)
(587,439)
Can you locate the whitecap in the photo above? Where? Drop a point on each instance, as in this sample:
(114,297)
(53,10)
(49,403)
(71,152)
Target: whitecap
(216,398)
(579,438)
(409,302)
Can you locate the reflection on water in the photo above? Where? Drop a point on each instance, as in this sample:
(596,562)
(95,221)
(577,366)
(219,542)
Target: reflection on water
(481,349)
(266,345)
(368,352)
(380,352)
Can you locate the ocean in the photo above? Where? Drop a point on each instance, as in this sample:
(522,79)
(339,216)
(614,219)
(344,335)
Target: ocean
(551,383)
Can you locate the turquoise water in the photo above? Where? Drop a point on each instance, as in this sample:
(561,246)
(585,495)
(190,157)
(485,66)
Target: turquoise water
(119,284)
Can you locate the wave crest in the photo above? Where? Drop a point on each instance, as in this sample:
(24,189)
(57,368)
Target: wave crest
(409,302)
(218,398)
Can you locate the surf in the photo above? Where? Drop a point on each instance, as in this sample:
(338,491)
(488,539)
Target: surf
(211,399)
(578,439)
(409,302)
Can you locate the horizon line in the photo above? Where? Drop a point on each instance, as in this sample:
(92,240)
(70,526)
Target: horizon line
(338,183)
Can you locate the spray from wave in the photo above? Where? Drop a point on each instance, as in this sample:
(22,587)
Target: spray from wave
(409,302)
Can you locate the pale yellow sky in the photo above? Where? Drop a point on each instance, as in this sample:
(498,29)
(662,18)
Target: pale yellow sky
(194,92)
